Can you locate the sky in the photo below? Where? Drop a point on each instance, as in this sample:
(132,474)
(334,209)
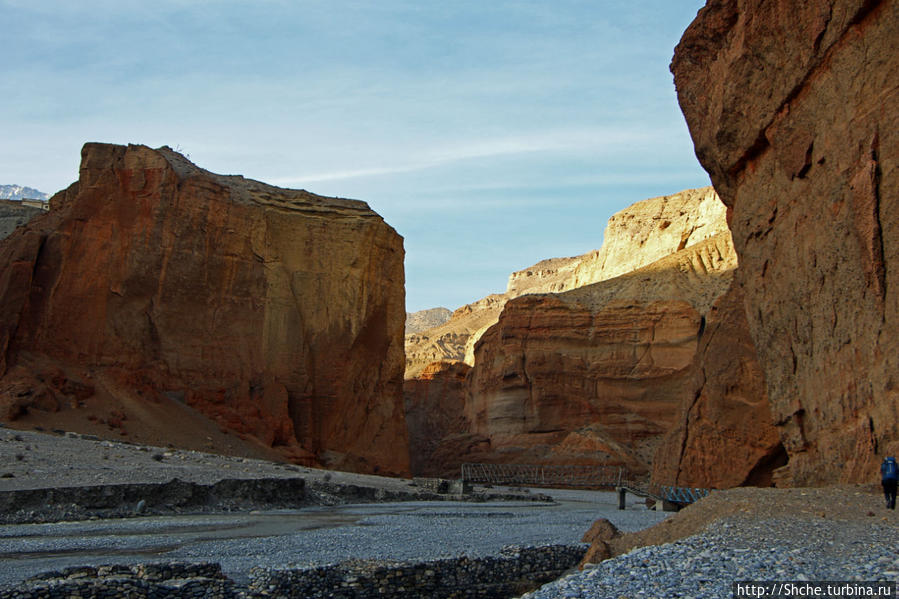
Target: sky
(490,135)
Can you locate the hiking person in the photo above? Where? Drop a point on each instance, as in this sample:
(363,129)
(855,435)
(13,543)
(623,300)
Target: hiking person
(889,476)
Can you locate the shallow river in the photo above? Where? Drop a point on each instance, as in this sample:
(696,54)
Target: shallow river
(318,535)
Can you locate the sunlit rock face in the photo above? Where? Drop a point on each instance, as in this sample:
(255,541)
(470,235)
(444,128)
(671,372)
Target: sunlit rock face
(634,237)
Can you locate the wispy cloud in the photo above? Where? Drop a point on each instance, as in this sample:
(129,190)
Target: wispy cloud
(586,140)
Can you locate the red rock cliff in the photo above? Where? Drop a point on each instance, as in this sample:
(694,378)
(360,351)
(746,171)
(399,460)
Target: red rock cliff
(794,111)
(723,435)
(599,373)
(277,312)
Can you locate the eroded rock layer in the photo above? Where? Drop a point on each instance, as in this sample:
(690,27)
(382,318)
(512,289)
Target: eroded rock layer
(794,111)
(597,374)
(723,435)
(634,237)
(275,312)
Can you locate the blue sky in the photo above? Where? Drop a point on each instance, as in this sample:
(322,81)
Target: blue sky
(490,135)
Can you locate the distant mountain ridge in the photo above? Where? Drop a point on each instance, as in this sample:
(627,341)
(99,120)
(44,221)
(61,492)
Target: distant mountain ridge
(423,320)
(19,192)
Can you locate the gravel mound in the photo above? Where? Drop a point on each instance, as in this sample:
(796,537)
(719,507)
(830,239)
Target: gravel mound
(831,534)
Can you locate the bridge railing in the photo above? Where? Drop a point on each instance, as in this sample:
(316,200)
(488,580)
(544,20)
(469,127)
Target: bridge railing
(582,476)
(683,495)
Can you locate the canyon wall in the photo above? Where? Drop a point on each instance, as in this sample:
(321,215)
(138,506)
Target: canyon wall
(440,433)
(597,374)
(634,237)
(723,435)
(794,112)
(641,357)
(277,313)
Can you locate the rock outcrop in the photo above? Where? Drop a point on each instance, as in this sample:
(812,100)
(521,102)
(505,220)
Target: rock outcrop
(597,374)
(724,435)
(794,112)
(423,320)
(14,214)
(277,313)
(634,237)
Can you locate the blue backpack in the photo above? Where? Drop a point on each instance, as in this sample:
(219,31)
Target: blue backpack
(889,470)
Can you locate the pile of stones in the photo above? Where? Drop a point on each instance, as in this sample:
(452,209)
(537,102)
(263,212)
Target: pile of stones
(515,571)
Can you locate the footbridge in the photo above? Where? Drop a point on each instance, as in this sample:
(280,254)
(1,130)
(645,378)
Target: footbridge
(592,476)
(587,476)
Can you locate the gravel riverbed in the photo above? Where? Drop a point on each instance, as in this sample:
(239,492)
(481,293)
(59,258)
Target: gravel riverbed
(412,531)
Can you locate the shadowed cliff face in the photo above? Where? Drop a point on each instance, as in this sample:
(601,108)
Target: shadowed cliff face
(794,111)
(276,312)
(723,435)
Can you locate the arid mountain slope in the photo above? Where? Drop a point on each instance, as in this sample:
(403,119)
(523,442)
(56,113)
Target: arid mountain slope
(426,319)
(15,214)
(794,112)
(277,313)
(634,237)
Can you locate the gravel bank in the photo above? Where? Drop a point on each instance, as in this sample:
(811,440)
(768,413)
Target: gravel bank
(35,460)
(766,534)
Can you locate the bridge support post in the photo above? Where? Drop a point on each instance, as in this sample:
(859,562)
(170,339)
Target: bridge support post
(622,496)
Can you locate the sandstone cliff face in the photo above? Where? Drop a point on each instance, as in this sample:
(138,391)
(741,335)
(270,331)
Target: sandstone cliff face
(794,111)
(639,235)
(440,434)
(634,237)
(276,312)
(597,374)
(724,435)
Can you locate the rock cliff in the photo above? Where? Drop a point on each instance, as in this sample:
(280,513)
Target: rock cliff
(634,237)
(653,369)
(794,112)
(277,313)
(423,320)
(440,434)
(597,374)
(14,214)
(723,435)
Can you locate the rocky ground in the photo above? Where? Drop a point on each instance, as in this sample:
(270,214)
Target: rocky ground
(310,535)
(798,535)
(48,477)
(742,534)
(33,460)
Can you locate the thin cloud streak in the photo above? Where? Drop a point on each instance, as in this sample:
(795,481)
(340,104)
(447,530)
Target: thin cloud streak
(583,141)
